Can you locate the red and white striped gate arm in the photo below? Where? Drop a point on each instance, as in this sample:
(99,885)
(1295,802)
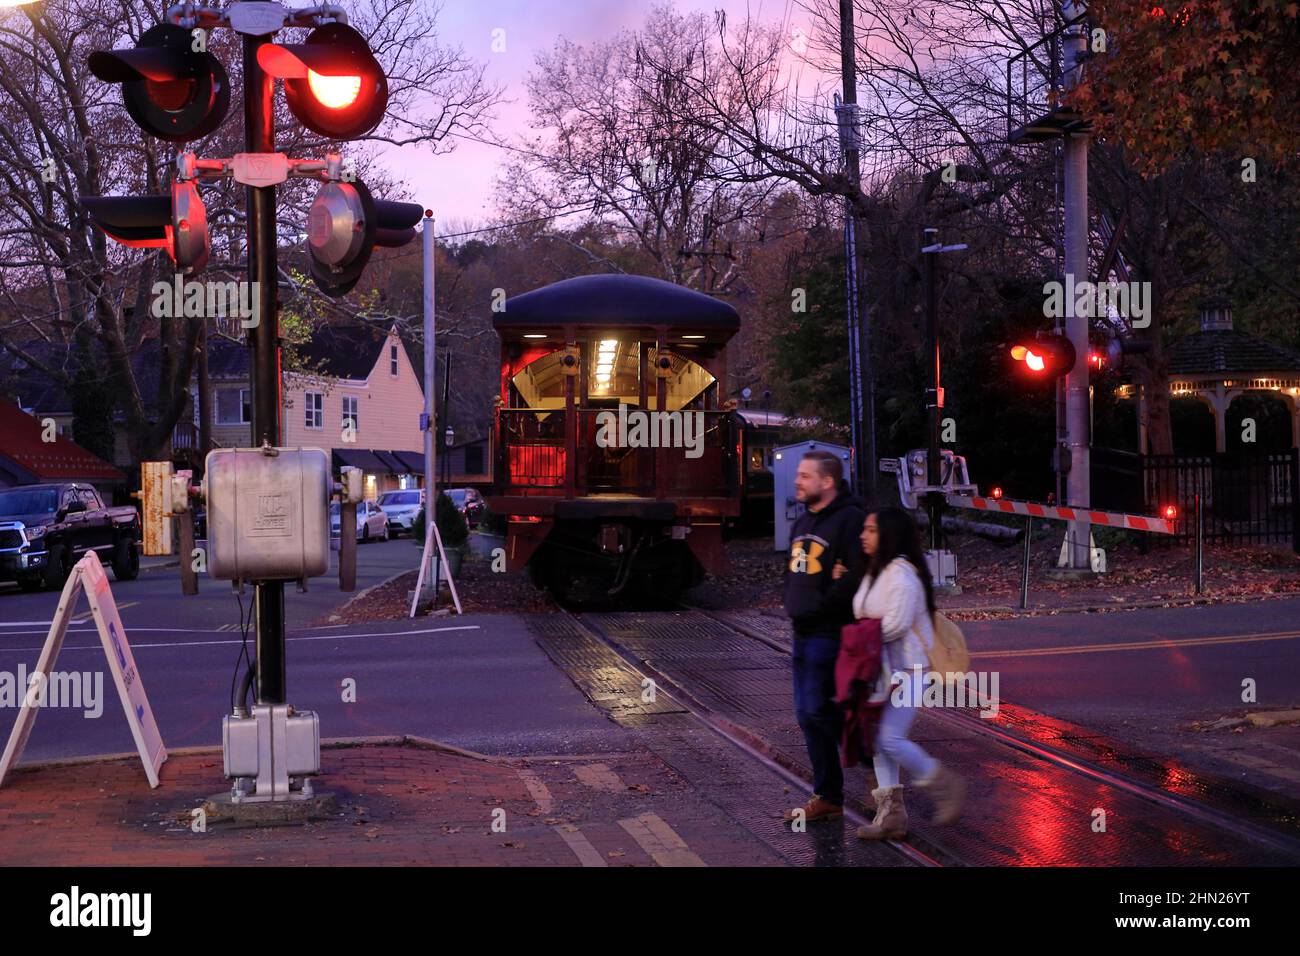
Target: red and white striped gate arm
(1107,518)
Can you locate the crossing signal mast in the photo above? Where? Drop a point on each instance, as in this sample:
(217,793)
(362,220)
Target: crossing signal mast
(275,529)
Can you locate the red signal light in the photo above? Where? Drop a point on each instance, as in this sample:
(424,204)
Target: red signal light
(170,90)
(995,493)
(1051,354)
(334,92)
(177,223)
(1170,513)
(332,82)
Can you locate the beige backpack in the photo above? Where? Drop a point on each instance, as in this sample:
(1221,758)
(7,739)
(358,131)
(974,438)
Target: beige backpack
(949,654)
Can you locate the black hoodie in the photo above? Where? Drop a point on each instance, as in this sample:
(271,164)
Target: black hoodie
(815,602)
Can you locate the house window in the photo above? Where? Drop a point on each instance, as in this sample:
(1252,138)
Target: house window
(392,360)
(473,459)
(234,406)
(351,412)
(314,404)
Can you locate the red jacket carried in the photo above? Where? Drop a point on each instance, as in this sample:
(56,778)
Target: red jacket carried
(857,670)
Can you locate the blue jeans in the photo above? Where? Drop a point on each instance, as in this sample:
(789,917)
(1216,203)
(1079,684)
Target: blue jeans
(819,719)
(893,748)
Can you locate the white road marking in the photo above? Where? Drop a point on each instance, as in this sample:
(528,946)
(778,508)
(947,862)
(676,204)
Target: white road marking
(86,615)
(541,796)
(660,841)
(587,854)
(319,637)
(598,776)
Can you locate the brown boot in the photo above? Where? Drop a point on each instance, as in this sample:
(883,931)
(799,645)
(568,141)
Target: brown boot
(816,809)
(948,792)
(890,821)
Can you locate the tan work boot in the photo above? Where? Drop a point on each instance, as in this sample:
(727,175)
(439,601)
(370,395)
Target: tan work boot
(948,792)
(890,821)
(816,809)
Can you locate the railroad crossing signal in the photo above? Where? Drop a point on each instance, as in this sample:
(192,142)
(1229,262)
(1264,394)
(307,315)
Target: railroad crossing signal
(177,223)
(177,91)
(333,85)
(1049,355)
(170,90)
(332,82)
(344,225)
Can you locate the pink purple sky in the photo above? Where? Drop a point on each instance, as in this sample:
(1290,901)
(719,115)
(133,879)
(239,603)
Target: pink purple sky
(458,185)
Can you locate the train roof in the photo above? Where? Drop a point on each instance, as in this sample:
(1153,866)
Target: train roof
(617,301)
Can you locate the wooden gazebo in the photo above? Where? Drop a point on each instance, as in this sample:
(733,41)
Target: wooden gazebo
(1218,364)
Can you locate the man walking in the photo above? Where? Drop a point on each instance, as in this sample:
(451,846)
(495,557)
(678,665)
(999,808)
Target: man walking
(818,606)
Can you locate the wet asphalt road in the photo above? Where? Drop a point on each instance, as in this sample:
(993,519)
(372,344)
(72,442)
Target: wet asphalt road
(1162,663)
(490,683)
(154,599)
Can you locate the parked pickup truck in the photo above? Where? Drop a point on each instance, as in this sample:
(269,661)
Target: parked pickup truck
(46,529)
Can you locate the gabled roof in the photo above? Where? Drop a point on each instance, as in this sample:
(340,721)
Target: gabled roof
(1227,351)
(36,390)
(227,359)
(30,386)
(21,445)
(347,351)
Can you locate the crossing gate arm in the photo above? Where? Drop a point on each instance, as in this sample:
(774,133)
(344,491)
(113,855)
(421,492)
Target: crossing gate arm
(1110,519)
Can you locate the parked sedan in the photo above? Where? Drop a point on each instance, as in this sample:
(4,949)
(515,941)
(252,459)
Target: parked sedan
(469,502)
(372,523)
(402,507)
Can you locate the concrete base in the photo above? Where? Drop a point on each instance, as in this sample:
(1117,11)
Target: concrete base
(946,590)
(1073,574)
(269,813)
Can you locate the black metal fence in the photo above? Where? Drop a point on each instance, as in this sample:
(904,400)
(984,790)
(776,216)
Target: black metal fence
(1247,497)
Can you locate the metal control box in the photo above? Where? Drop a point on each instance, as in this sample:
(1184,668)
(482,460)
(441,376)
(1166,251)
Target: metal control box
(913,481)
(268,513)
(271,741)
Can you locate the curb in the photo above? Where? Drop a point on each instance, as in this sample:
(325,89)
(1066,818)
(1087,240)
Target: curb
(366,591)
(176,563)
(331,743)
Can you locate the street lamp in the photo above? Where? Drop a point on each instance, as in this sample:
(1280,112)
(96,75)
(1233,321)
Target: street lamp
(448,437)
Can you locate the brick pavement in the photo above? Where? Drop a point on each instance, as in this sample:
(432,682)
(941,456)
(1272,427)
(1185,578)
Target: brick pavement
(407,802)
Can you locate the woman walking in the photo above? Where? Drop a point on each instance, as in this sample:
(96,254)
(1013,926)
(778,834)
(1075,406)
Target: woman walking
(898,592)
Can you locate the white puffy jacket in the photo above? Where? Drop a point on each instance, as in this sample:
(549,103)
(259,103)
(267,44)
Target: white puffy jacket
(898,601)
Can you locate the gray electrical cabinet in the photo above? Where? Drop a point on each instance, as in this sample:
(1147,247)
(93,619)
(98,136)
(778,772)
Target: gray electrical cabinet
(785,463)
(268,513)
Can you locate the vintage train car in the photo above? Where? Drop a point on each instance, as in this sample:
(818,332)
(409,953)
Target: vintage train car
(617,463)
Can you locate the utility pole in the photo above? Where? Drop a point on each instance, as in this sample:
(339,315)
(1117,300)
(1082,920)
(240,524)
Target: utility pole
(934,394)
(1078,439)
(264,340)
(930,251)
(430,364)
(205,400)
(862,378)
(446,417)
(432,537)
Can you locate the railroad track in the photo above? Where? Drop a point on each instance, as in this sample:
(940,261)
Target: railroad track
(740,737)
(1075,764)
